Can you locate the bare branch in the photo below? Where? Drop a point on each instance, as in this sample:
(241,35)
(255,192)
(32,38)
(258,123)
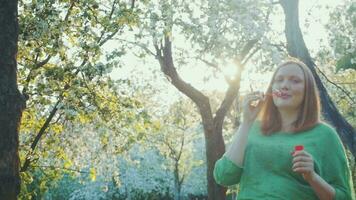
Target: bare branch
(340,88)
(215,66)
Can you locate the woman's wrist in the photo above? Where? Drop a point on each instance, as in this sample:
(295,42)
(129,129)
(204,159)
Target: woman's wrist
(322,188)
(312,177)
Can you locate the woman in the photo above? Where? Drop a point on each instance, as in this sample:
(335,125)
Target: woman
(262,156)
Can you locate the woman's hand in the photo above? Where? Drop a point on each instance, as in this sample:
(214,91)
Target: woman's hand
(249,110)
(303,163)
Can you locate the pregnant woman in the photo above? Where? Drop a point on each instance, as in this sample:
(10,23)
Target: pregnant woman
(282,150)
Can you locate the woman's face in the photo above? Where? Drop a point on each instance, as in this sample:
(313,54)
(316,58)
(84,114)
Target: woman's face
(288,87)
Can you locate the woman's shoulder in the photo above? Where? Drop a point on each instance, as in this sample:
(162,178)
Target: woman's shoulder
(328,134)
(325,128)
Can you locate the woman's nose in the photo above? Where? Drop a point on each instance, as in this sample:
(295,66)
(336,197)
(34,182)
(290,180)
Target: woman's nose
(285,85)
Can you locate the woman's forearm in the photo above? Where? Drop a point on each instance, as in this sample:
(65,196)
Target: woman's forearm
(236,150)
(323,189)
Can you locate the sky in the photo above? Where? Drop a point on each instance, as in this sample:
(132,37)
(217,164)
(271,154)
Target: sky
(314,14)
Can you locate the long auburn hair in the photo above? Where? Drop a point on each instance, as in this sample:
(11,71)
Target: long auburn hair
(309,112)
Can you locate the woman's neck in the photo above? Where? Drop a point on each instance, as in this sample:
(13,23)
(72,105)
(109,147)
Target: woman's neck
(288,117)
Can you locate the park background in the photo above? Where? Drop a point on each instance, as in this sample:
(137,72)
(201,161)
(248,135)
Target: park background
(124,98)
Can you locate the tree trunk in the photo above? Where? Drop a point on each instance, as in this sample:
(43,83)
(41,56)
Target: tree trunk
(213,138)
(177,185)
(11,102)
(214,149)
(296,47)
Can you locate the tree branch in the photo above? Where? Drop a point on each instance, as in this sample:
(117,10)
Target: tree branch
(340,88)
(69,10)
(39,135)
(132,4)
(244,62)
(215,66)
(181,147)
(139,45)
(164,56)
(62,168)
(36,66)
(172,150)
(110,17)
(233,86)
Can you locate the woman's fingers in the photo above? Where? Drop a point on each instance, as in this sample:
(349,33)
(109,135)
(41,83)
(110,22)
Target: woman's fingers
(254,94)
(251,105)
(302,162)
(301,153)
(253,97)
(302,169)
(302,159)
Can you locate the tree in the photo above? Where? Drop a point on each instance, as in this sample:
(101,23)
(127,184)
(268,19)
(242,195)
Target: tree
(61,58)
(175,142)
(335,57)
(11,102)
(65,76)
(214,41)
(296,47)
(334,63)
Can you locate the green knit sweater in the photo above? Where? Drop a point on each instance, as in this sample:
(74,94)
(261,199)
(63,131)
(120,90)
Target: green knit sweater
(267,168)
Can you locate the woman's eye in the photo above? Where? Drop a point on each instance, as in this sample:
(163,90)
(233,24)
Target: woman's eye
(296,81)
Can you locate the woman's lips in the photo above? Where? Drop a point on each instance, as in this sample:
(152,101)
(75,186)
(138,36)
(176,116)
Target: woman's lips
(285,96)
(281,95)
